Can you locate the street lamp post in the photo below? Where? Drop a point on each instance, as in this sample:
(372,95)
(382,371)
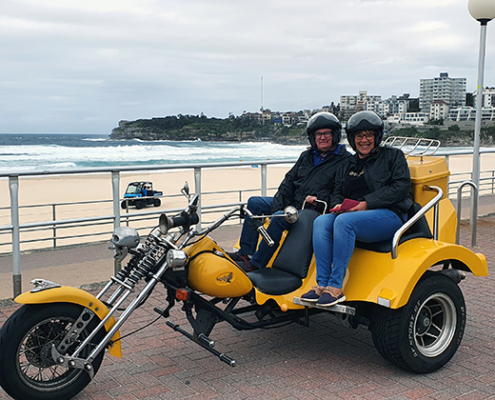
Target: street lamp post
(482,11)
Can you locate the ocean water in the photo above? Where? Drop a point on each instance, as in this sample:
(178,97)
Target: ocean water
(39,152)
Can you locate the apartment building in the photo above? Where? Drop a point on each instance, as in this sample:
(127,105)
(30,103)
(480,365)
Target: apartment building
(488,97)
(352,104)
(450,90)
(461,114)
(439,109)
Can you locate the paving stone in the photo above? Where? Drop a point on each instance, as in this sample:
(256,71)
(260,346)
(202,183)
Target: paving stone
(324,361)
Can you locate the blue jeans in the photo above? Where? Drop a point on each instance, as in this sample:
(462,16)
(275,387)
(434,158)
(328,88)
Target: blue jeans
(335,235)
(249,237)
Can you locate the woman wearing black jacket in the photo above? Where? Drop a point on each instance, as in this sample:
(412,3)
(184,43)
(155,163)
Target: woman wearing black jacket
(378,179)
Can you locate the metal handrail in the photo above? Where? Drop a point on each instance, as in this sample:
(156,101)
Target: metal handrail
(415,218)
(15,227)
(474,211)
(153,168)
(13,176)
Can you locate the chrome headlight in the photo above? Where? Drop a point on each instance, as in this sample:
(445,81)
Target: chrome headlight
(176,258)
(125,236)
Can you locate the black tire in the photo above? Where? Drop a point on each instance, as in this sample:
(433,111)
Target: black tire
(123,205)
(27,370)
(157,202)
(423,335)
(139,204)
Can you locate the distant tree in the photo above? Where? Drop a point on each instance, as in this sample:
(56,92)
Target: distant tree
(407,132)
(435,122)
(469,100)
(488,133)
(413,105)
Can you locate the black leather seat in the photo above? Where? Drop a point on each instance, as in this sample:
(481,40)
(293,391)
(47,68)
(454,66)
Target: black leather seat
(293,260)
(419,229)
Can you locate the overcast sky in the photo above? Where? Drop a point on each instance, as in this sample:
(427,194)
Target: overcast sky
(81,66)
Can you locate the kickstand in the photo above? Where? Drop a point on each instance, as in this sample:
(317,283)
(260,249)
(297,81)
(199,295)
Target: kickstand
(305,321)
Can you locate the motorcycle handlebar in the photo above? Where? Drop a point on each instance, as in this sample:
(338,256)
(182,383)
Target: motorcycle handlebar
(185,220)
(261,229)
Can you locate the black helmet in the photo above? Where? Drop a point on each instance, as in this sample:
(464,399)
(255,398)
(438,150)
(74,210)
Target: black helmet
(323,120)
(364,121)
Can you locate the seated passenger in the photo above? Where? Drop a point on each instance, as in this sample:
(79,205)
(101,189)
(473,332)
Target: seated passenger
(378,178)
(311,178)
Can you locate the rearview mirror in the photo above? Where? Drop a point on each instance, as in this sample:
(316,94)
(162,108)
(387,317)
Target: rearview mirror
(290,214)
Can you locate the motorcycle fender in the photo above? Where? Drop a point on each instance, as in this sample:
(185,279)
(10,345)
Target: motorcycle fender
(67,294)
(377,278)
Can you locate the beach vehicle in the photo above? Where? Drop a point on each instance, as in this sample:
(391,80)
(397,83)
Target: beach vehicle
(140,194)
(406,292)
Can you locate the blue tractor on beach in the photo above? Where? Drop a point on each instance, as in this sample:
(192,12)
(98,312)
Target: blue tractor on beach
(140,194)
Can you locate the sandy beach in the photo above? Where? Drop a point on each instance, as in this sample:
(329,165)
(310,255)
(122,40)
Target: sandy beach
(38,194)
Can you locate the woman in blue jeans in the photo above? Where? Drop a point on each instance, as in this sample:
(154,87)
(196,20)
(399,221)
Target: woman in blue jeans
(378,179)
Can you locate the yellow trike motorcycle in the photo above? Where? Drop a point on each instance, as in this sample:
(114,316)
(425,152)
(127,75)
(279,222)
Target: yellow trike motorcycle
(405,291)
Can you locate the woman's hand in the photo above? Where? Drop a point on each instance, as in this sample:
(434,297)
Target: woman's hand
(311,200)
(362,206)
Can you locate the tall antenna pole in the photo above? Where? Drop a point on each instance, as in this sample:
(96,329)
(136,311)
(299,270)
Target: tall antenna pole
(261,109)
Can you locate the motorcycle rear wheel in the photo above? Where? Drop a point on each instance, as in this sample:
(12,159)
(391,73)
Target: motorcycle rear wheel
(27,370)
(425,334)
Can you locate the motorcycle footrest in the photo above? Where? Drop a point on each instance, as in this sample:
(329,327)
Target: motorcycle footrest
(204,341)
(337,308)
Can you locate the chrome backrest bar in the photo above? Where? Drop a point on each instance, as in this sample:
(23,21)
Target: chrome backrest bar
(413,146)
(432,203)
(474,211)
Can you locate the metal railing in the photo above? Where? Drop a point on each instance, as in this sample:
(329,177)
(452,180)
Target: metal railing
(15,227)
(487,185)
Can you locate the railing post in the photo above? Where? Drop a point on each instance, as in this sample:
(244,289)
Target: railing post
(54,217)
(447,158)
(197,190)
(474,212)
(263,179)
(116,209)
(16,247)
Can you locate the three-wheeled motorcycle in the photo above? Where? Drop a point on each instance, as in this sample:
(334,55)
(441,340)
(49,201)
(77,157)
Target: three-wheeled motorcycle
(405,291)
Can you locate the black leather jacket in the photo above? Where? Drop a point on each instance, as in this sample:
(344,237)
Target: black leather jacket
(387,176)
(304,179)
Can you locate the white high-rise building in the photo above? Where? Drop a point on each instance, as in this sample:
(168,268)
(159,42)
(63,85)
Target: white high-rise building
(488,97)
(352,104)
(450,90)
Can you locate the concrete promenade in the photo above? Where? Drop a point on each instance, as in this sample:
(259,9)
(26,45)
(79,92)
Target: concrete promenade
(325,361)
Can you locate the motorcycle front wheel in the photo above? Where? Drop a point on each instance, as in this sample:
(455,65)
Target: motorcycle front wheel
(27,369)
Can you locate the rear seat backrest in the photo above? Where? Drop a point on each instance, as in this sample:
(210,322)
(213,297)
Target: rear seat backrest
(297,250)
(419,229)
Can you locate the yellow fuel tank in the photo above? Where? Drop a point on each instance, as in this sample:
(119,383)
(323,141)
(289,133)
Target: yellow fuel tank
(213,273)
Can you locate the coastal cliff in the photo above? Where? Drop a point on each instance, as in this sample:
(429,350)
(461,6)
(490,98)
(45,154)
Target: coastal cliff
(186,127)
(245,129)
